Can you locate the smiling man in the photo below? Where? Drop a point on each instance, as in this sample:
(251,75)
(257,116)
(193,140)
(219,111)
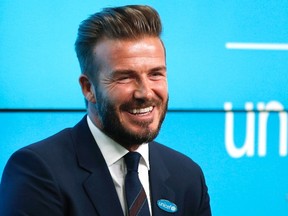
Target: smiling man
(127,99)
(108,164)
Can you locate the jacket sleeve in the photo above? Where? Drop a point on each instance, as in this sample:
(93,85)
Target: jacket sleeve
(28,188)
(205,208)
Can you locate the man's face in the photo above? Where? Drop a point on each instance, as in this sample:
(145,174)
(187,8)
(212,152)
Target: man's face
(131,89)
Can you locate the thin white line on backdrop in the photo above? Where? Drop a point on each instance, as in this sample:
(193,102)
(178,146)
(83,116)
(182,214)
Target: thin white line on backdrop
(256,46)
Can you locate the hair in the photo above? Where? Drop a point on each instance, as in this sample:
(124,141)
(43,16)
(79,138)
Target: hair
(126,22)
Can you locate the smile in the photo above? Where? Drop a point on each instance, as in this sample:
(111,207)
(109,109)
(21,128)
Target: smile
(141,111)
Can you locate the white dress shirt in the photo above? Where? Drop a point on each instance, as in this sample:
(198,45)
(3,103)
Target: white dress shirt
(113,154)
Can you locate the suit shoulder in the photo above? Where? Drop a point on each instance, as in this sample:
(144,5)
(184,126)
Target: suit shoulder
(50,149)
(42,157)
(56,141)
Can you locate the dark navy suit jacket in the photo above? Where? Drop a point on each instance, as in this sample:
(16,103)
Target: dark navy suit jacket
(66,174)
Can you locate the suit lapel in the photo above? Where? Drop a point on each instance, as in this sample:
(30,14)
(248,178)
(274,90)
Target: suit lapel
(99,185)
(159,174)
(102,194)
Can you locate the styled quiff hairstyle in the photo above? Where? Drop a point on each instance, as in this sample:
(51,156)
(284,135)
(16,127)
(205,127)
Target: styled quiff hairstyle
(127,22)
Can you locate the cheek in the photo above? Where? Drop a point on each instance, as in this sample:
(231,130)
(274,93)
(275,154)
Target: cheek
(162,90)
(119,95)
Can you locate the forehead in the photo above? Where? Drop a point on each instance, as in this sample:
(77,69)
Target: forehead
(111,52)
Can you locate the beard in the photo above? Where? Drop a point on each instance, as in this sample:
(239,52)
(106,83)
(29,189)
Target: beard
(112,126)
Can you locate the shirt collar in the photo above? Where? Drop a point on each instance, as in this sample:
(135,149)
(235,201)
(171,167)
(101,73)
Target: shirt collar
(113,151)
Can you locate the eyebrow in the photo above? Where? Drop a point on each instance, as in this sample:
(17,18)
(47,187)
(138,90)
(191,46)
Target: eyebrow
(160,68)
(126,71)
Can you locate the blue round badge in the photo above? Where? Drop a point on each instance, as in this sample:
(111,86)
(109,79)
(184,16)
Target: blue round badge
(167,206)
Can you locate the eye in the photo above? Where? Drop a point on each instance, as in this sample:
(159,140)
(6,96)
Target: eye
(123,79)
(122,76)
(157,75)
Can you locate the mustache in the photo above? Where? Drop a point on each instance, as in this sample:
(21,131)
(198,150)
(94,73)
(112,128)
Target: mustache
(136,104)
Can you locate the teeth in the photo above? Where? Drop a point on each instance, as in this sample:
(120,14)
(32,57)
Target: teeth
(142,110)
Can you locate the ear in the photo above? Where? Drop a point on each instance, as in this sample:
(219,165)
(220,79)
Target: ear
(87,88)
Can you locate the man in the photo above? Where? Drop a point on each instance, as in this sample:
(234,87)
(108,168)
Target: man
(81,170)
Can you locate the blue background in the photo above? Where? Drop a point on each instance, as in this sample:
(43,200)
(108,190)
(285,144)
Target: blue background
(39,70)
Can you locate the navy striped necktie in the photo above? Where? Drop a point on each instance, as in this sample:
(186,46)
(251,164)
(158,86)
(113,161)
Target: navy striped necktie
(135,195)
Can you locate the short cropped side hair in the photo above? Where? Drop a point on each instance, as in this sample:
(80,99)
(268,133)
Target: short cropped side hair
(126,22)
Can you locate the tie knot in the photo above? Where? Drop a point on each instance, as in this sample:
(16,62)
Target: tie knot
(132,161)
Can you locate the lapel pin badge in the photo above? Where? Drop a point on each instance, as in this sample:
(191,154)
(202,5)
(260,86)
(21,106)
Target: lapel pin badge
(167,206)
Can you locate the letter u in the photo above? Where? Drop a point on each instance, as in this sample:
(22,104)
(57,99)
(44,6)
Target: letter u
(248,146)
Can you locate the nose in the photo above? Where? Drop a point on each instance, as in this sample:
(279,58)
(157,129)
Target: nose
(143,89)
